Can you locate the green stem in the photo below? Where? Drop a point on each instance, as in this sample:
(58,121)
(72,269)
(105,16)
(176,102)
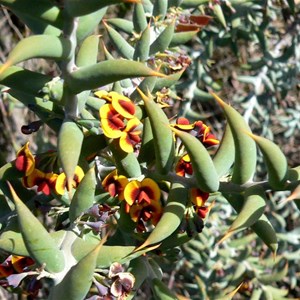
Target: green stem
(70,99)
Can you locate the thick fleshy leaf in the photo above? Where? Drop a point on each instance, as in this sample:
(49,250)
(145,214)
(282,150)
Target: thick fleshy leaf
(160,8)
(69,147)
(88,51)
(253,208)
(245,147)
(38,46)
(77,282)
(37,25)
(107,254)
(126,163)
(84,196)
(120,44)
(121,24)
(9,171)
(83,7)
(23,80)
(275,160)
(180,38)
(164,142)
(263,228)
(141,51)
(163,41)
(278,273)
(171,217)
(139,18)
(88,23)
(44,10)
(147,152)
(161,291)
(203,167)
(224,157)
(138,268)
(39,243)
(105,72)
(167,81)
(219,14)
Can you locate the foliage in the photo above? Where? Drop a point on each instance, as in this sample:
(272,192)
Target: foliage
(102,211)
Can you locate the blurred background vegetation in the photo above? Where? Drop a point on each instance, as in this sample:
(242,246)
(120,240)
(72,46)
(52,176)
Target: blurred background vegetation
(250,54)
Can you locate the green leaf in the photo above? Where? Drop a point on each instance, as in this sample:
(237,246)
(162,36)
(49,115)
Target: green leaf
(120,44)
(126,163)
(245,147)
(163,41)
(263,228)
(105,72)
(9,172)
(39,243)
(107,254)
(161,291)
(84,196)
(163,136)
(141,52)
(69,147)
(77,282)
(38,46)
(180,38)
(41,10)
(160,8)
(203,167)
(88,51)
(219,14)
(147,152)
(253,208)
(224,157)
(121,24)
(83,7)
(88,23)
(139,18)
(275,161)
(278,274)
(172,216)
(23,80)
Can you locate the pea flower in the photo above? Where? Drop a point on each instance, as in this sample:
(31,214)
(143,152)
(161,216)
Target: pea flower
(115,184)
(61,181)
(44,181)
(142,202)
(123,282)
(118,121)
(137,192)
(25,160)
(197,129)
(184,166)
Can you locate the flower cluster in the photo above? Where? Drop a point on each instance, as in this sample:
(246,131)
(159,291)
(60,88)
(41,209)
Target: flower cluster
(197,129)
(117,284)
(118,120)
(142,198)
(16,270)
(196,210)
(34,174)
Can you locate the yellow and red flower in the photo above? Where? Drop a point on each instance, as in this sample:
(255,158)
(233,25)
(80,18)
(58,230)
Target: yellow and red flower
(61,181)
(138,192)
(143,202)
(130,135)
(198,197)
(25,160)
(44,181)
(197,129)
(146,212)
(115,184)
(184,166)
(118,120)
